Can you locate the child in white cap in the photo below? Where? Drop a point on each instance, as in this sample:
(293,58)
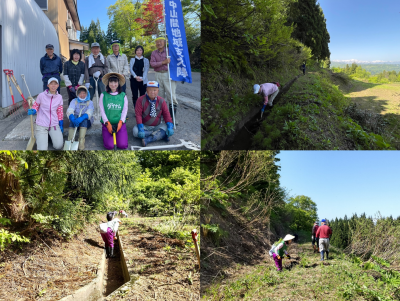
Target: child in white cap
(279,249)
(49,121)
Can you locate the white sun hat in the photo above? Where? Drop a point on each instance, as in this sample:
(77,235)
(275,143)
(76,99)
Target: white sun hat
(256,88)
(288,237)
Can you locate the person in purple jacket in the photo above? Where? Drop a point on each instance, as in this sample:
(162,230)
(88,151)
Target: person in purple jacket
(265,90)
(49,121)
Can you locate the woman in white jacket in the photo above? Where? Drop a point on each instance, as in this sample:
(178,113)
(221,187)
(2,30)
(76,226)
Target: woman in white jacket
(139,66)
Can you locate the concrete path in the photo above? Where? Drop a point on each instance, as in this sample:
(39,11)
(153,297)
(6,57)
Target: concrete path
(15,133)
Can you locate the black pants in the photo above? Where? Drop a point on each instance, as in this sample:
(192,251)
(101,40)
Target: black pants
(71,96)
(137,87)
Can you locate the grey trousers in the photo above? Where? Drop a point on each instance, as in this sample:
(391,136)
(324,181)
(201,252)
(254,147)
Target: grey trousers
(42,137)
(162,126)
(324,244)
(164,90)
(272,97)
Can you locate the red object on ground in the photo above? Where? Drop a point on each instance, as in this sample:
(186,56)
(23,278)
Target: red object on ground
(194,235)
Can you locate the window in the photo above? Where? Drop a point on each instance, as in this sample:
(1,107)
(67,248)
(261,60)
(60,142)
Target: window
(43,4)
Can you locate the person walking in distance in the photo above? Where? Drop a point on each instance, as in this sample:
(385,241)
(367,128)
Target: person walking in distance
(324,233)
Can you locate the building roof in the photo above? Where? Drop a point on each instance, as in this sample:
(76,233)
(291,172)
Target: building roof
(85,45)
(73,10)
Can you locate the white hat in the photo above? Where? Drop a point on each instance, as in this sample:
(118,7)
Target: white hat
(256,88)
(153,83)
(288,237)
(52,79)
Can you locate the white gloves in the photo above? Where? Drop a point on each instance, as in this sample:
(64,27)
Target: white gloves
(96,74)
(312,237)
(87,85)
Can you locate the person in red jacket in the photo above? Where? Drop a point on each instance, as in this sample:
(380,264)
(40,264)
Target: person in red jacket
(314,237)
(324,233)
(149,109)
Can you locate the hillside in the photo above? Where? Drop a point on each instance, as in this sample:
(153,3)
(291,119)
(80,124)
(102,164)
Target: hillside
(321,110)
(305,277)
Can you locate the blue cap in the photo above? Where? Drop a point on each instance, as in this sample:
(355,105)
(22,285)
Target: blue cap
(323,221)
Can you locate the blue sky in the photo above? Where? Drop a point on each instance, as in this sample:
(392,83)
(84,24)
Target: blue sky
(344,182)
(91,10)
(363,29)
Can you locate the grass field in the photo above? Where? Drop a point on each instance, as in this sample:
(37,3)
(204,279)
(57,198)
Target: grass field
(305,277)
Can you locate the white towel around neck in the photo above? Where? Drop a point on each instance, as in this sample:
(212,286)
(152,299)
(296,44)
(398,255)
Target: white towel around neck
(91,59)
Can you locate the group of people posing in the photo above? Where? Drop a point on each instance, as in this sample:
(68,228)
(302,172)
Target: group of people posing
(108,75)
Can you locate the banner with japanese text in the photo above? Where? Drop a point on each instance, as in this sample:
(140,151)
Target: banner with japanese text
(178,49)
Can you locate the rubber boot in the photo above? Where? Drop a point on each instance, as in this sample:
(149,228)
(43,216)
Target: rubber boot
(322,255)
(314,248)
(170,113)
(107,252)
(70,133)
(155,136)
(82,134)
(327,255)
(112,252)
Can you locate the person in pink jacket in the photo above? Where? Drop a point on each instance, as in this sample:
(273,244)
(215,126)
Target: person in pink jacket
(49,121)
(265,90)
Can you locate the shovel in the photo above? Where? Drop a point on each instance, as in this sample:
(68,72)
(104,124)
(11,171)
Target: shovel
(32,140)
(73,145)
(114,127)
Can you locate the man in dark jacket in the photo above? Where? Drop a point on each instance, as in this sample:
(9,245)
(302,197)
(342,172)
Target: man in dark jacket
(314,238)
(50,66)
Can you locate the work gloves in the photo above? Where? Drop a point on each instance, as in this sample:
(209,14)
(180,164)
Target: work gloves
(109,127)
(72,89)
(277,256)
(72,119)
(61,124)
(288,256)
(141,133)
(87,85)
(119,125)
(31,112)
(96,74)
(263,108)
(170,129)
(312,237)
(79,120)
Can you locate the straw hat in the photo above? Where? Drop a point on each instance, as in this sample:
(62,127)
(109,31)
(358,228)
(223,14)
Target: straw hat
(121,78)
(288,237)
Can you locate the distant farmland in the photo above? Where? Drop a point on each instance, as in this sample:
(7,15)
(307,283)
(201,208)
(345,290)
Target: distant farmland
(373,68)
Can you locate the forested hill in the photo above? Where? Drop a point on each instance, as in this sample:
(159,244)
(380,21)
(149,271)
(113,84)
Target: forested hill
(253,42)
(372,68)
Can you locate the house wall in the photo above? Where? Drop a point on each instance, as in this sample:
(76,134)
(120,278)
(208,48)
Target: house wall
(26,30)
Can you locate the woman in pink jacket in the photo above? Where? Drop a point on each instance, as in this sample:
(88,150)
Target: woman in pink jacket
(265,90)
(49,121)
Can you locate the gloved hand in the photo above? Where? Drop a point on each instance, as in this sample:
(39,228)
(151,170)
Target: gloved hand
(278,257)
(170,129)
(312,236)
(119,125)
(72,120)
(141,133)
(87,85)
(31,112)
(288,256)
(96,74)
(76,87)
(71,89)
(61,124)
(263,108)
(79,120)
(109,127)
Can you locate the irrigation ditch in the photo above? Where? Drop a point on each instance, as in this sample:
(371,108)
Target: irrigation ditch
(240,139)
(112,275)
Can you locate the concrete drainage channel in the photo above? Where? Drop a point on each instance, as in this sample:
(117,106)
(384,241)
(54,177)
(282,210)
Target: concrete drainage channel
(240,139)
(102,287)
